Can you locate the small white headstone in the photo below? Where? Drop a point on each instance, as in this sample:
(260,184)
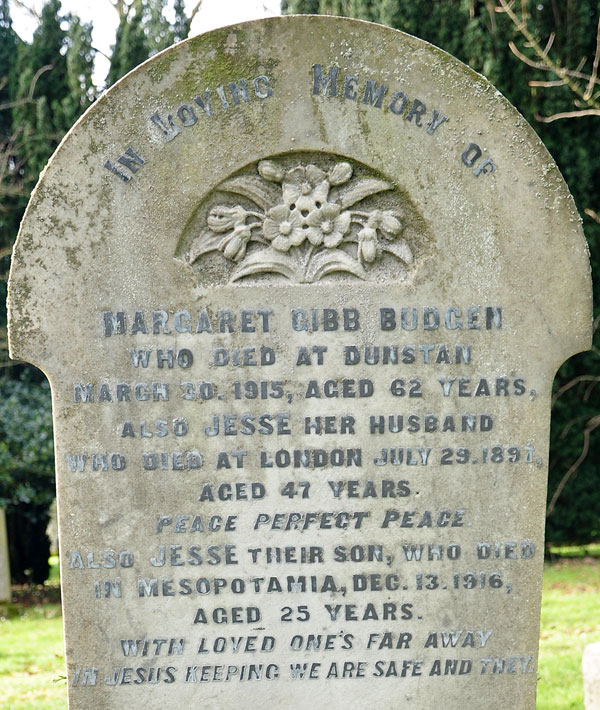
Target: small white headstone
(590,666)
(5,592)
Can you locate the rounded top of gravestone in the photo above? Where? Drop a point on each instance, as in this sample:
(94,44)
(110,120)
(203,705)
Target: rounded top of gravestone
(299,153)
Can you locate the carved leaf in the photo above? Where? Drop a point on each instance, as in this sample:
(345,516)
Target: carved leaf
(329,261)
(254,188)
(205,242)
(359,189)
(267,261)
(399,249)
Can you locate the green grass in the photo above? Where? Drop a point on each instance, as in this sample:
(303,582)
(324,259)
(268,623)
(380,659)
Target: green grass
(32,662)
(570,620)
(575,551)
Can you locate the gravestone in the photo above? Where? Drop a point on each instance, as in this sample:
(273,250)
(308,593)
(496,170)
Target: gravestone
(590,667)
(301,287)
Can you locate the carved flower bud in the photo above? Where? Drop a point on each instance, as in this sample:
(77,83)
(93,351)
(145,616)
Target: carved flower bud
(222,218)
(340,173)
(235,245)
(367,245)
(390,224)
(270,171)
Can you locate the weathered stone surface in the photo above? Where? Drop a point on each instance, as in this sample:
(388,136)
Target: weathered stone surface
(301,287)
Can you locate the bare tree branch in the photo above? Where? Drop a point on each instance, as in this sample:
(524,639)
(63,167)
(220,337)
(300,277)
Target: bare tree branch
(525,59)
(25,6)
(549,43)
(11,191)
(567,114)
(578,69)
(195,10)
(567,428)
(594,215)
(546,64)
(561,71)
(588,91)
(99,51)
(572,383)
(29,98)
(592,424)
(547,84)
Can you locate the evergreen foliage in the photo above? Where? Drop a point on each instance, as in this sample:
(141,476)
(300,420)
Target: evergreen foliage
(475,33)
(130,47)
(181,25)
(45,86)
(26,473)
(80,62)
(9,175)
(143,31)
(9,45)
(40,119)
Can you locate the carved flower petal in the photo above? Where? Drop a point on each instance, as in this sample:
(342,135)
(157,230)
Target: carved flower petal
(340,173)
(314,218)
(321,191)
(295,176)
(282,243)
(304,203)
(271,229)
(314,175)
(342,223)
(290,192)
(327,212)
(333,239)
(331,211)
(314,236)
(297,236)
(279,213)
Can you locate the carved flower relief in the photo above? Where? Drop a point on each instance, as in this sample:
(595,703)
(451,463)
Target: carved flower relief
(304,188)
(222,218)
(367,245)
(387,223)
(307,234)
(328,225)
(283,228)
(233,221)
